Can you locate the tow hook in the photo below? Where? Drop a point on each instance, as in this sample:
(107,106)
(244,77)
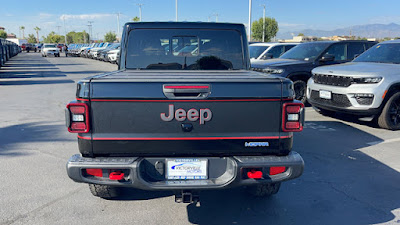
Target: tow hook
(187,197)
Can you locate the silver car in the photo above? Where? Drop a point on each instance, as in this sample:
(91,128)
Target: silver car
(367,86)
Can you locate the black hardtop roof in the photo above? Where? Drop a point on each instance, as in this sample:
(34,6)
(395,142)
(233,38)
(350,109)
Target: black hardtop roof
(183,25)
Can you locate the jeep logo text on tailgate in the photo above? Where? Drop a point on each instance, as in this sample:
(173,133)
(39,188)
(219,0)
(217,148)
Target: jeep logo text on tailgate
(192,115)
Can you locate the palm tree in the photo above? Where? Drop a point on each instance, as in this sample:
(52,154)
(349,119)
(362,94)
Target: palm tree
(23,31)
(37,29)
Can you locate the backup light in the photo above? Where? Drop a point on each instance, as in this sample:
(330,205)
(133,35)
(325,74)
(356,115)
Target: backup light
(293,117)
(77,118)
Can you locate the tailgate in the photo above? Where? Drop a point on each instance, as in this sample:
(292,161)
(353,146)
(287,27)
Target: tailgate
(184,118)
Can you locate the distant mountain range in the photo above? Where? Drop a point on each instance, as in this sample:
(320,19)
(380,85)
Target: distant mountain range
(368,31)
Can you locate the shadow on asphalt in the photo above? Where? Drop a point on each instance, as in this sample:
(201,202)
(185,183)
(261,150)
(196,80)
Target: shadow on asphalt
(351,118)
(340,185)
(130,194)
(29,133)
(25,66)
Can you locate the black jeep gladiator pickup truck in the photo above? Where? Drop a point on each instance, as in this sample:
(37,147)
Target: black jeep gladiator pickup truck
(184,112)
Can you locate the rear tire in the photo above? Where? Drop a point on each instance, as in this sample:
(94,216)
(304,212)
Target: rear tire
(390,115)
(104,191)
(264,190)
(300,88)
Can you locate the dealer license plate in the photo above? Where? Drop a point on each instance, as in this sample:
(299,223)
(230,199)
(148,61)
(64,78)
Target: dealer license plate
(186,169)
(325,94)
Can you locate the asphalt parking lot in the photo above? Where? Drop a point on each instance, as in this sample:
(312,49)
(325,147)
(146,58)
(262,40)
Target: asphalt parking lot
(352,173)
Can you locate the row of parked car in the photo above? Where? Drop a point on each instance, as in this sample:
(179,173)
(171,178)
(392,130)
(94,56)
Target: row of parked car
(107,52)
(8,49)
(355,77)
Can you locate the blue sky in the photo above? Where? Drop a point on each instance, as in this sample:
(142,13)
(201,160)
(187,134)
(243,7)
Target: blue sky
(292,15)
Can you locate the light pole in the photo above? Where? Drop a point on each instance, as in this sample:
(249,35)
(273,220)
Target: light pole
(90,29)
(263,37)
(176,10)
(118,14)
(58,28)
(140,11)
(216,17)
(65,30)
(250,20)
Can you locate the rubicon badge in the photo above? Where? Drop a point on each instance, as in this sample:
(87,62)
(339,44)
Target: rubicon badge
(203,115)
(256,144)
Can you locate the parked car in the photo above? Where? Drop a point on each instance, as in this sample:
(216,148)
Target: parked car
(2,60)
(93,52)
(102,54)
(112,55)
(367,86)
(8,50)
(60,47)
(264,51)
(298,62)
(50,49)
(23,46)
(28,47)
(38,47)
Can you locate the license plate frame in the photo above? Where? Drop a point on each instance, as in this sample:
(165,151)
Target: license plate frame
(186,169)
(325,94)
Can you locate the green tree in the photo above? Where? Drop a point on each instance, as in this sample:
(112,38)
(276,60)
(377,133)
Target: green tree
(271,28)
(37,29)
(110,37)
(52,37)
(70,37)
(135,19)
(3,34)
(31,38)
(300,34)
(77,37)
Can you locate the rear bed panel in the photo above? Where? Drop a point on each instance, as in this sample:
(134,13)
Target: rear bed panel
(246,116)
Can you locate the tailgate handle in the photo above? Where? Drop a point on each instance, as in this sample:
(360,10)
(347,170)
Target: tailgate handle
(190,91)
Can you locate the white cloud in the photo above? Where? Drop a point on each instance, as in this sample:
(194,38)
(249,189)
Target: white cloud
(45,15)
(283,24)
(85,16)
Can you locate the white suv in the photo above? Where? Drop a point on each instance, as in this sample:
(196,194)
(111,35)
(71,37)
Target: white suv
(367,86)
(50,49)
(264,51)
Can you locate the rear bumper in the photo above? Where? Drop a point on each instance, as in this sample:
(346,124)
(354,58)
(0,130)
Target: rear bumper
(223,172)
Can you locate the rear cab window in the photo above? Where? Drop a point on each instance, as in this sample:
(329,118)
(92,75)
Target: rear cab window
(185,49)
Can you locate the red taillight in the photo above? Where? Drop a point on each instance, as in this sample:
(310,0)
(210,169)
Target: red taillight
(95,172)
(77,109)
(78,118)
(254,174)
(276,170)
(292,116)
